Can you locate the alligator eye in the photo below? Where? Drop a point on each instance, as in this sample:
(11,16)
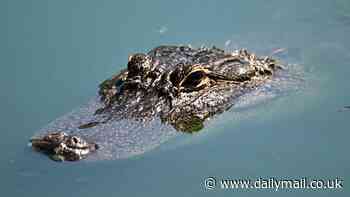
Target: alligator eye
(138,65)
(195,80)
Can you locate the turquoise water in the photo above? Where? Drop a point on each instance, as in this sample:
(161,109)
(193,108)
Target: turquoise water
(54,54)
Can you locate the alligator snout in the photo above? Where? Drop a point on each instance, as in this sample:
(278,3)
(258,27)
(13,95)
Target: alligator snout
(60,146)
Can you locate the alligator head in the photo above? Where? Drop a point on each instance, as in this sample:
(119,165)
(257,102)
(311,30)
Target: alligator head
(183,93)
(180,85)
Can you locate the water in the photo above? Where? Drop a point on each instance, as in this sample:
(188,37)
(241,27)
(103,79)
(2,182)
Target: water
(54,53)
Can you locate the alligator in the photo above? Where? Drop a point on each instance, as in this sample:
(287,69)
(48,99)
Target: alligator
(180,85)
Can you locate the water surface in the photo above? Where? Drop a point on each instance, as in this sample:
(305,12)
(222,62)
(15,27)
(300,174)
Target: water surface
(54,54)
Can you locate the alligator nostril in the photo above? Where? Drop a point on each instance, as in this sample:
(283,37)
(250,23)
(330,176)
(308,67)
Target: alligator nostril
(75,140)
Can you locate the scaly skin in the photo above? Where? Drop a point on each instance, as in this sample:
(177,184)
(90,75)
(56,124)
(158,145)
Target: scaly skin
(181,85)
